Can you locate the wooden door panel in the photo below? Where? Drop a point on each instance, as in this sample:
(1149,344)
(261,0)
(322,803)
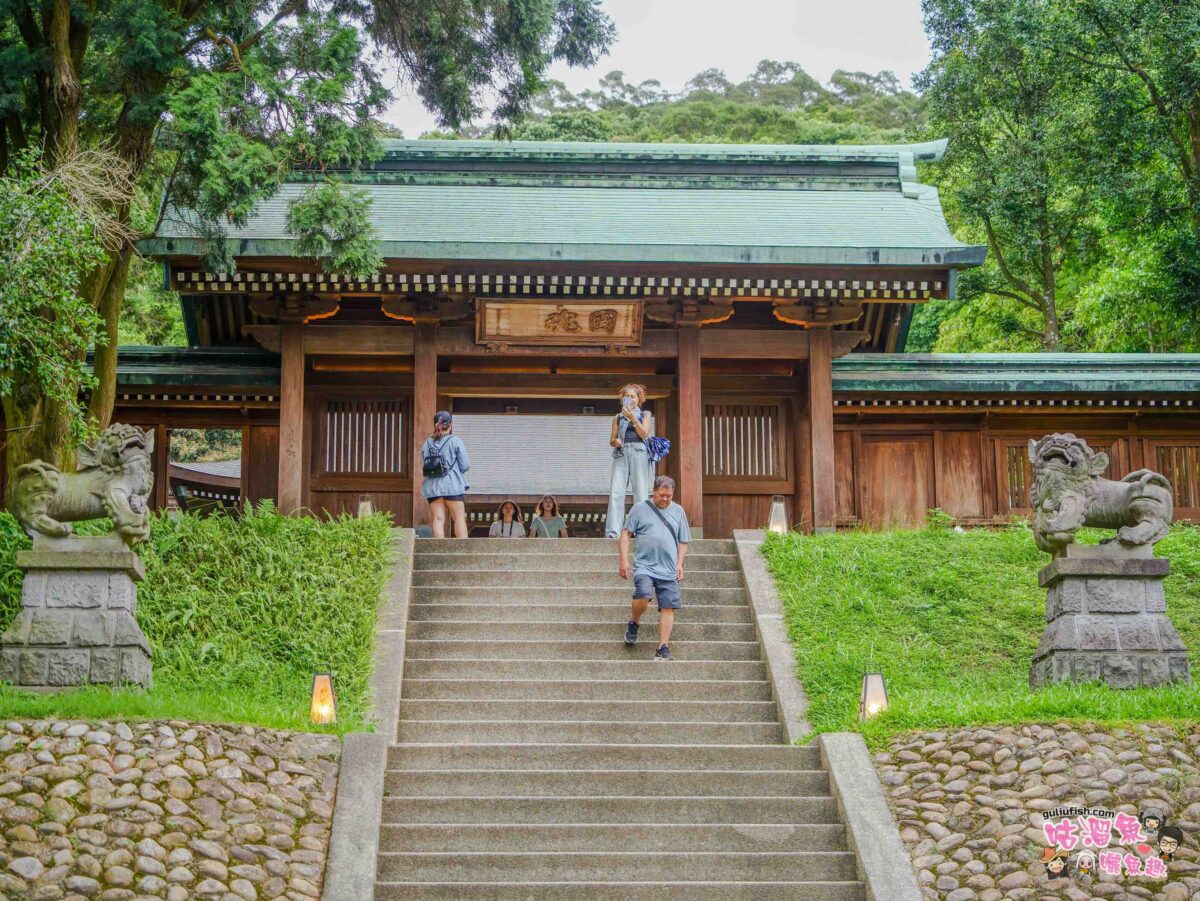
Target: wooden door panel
(260,463)
(897,480)
(960,474)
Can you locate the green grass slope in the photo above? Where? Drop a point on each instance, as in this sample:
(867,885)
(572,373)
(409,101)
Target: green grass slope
(240,612)
(952,620)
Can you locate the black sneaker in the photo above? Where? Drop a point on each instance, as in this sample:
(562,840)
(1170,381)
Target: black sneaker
(663,653)
(631,633)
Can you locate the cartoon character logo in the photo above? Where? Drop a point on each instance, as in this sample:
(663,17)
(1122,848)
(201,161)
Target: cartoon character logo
(1152,820)
(1055,860)
(1085,863)
(1169,840)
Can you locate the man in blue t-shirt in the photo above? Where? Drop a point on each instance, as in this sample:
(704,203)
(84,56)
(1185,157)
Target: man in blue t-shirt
(662,533)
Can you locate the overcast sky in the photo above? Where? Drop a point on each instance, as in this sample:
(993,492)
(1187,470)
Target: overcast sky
(672,40)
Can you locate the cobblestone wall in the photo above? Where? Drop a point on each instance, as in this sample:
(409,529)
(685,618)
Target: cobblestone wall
(117,812)
(970,802)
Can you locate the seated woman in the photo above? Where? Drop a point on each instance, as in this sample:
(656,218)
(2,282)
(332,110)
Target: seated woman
(547,522)
(508,522)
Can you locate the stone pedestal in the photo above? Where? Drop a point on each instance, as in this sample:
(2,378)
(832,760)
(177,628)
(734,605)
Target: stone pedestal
(77,624)
(1107,620)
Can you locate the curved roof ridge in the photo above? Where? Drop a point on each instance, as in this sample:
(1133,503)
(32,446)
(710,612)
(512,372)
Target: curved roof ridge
(927,151)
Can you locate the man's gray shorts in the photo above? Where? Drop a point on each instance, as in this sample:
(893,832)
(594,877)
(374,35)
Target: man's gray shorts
(665,591)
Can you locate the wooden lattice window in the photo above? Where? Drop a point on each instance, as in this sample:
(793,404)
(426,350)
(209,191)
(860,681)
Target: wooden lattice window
(745,441)
(1019,475)
(1180,463)
(363,437)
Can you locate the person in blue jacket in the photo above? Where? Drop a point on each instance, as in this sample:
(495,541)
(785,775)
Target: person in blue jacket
(445,461)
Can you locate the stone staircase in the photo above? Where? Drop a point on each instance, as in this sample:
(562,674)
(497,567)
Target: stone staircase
(537,757)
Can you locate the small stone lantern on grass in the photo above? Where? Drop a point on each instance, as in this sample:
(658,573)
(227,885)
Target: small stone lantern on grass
(1106,612)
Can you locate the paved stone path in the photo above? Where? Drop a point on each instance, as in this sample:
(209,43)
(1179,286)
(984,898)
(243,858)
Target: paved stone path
(118,812)
(969,805)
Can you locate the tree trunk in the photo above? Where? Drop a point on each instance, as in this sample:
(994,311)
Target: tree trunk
(61,94)
(38,429)
(106,285)
(1051,339)
(108,289)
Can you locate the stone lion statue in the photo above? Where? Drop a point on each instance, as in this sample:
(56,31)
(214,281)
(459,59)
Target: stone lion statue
(1069,493)
(113,479)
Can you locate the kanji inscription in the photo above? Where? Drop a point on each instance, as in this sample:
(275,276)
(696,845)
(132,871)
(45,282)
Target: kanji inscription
(608,322)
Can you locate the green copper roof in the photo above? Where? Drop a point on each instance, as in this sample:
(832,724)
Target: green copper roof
(577,202)
(231,367)
(1017,373)
(901,374)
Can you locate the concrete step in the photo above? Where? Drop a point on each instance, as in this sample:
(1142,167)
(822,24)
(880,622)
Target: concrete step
(510,562)
(621,891)
(646,839)
(609,810)
(500,593)
(640,668)
(483,629)
(607,866)
(647,689)
(613,649)
(589,733)
(592,711)
(554,546)
(633,758)
(577,610)
(566,577)
(569,783)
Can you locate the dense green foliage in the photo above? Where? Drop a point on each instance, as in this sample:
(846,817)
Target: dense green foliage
(240,612)
(331,225)
(779,103)
(952,620)
(210,106)
(205,445)
(1075,155)
(150,314)
(46,328)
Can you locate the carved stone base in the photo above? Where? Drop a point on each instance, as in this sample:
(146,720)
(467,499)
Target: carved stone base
(1107,620)
(77,623)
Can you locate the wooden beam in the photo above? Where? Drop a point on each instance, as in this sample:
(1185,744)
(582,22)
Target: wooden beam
(397,340)
(532,384)
(691,413)
(820,418)
(425,392)
(291,417)
(460,342)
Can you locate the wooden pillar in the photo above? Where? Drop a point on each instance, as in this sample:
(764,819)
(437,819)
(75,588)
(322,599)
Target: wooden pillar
(291,417)
(690,425)
(802,466)
(820,418)
(162,466)
(424,406)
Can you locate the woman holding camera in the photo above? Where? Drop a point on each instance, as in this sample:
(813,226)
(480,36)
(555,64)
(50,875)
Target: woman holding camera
(445,460)
(631,461)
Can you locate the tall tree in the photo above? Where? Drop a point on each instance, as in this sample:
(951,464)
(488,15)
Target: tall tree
(223,99)
(1143,59)
(1026,166)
